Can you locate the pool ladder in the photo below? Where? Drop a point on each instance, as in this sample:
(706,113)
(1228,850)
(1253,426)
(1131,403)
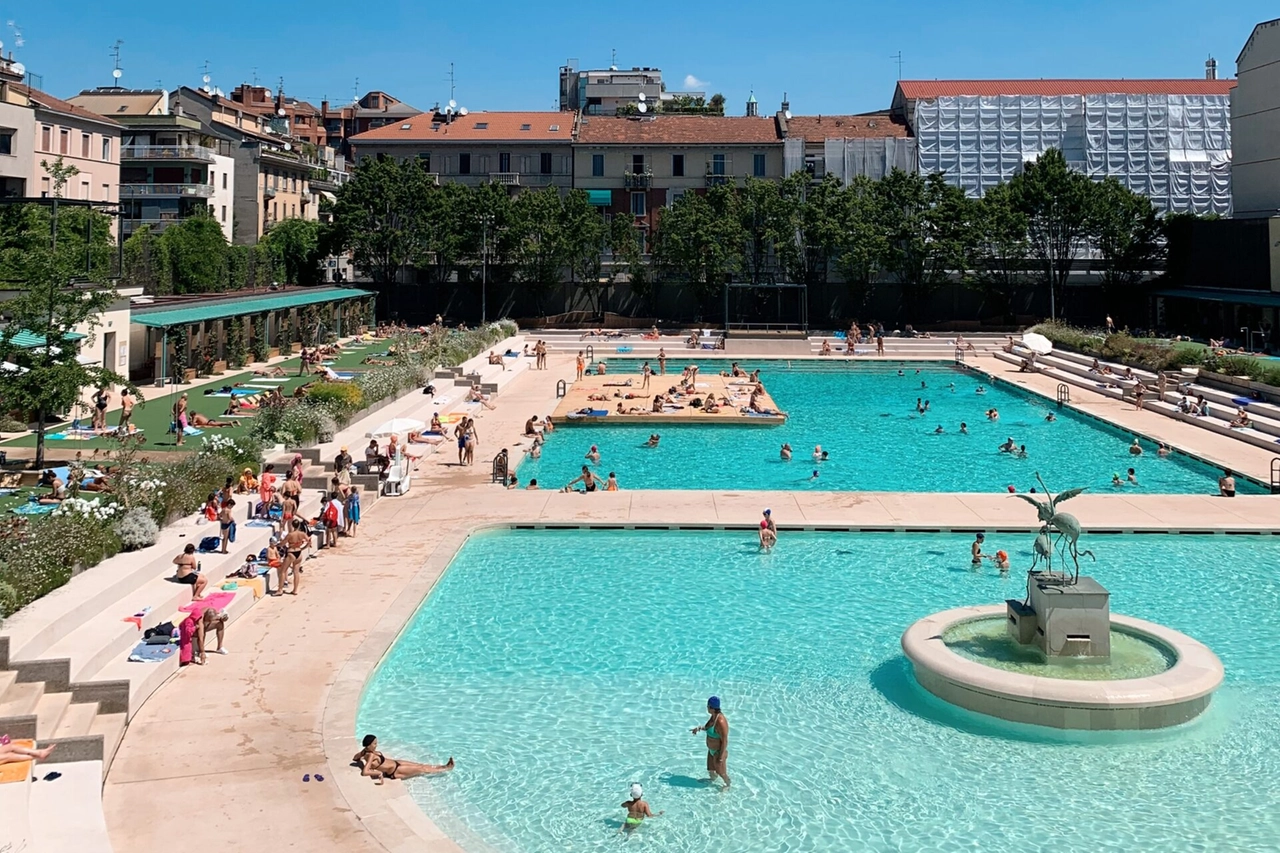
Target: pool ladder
(1064,393)
(1275,476)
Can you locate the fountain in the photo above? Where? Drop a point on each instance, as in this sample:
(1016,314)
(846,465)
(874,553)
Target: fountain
(1059,657)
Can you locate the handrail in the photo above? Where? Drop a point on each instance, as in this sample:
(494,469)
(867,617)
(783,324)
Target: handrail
(1064,393)
(167,152)
(500,467)
(1275,476)
(591,353)
(562,388)
(199,190)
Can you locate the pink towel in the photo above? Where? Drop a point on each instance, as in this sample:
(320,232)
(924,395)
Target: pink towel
(217,601)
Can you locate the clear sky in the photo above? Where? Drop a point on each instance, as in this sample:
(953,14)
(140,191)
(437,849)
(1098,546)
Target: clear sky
(830,56)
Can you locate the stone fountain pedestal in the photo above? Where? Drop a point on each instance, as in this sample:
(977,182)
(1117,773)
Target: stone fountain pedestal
(1061,618)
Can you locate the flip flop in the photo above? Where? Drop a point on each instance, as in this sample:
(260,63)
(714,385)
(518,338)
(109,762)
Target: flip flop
(49,777)
(319,778)
(306,777)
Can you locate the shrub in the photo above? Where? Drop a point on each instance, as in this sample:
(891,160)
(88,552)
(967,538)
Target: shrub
(341,399)
(137,529)
(8,424)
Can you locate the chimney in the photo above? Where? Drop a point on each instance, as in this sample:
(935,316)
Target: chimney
(324,108)
(1211,69)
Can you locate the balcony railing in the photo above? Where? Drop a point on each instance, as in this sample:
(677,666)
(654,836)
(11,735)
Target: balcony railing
(637,180)
(154,190)
(719,180)
(167,152)
(507,179)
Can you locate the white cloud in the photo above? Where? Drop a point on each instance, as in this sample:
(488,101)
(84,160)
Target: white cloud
(691,82)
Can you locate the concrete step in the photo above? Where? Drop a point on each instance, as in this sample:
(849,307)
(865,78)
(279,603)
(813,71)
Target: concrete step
(109,727)
(20,699)
(7,677)
(49,712)
(66,815)
(76,721)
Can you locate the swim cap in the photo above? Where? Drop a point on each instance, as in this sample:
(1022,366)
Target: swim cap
(1002,555)
(714,702)
(636,791)
(1011,488)
(768,511)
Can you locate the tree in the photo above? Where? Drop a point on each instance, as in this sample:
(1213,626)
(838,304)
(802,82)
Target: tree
(926,222)
(56,303)
(1000,251)
(379,215)
(1056,202)
(585,236)
(1126,230)
(626,246)
(698,242)
(59,173)
(197,252)
(541,245)
(764,220)
(146,262)
(295,245)
(861,242)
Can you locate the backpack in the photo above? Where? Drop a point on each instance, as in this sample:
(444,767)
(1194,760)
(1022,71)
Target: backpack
(330,515)
(209,544)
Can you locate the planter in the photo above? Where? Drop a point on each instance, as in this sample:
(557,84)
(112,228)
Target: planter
(274,352)
(189,375)
(295,348)
(219,367)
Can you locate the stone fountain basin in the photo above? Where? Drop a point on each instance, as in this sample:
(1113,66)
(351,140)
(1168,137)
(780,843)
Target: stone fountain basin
(1170,698)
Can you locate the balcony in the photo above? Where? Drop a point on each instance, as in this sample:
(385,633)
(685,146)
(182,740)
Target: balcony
(506,179)
(163,190)
(637,180)
(714,180)
(173,153)
(433,178)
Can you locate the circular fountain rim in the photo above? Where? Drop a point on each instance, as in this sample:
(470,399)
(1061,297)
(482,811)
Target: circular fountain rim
(1196,671)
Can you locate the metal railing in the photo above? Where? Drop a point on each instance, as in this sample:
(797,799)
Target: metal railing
(500,467)
(719,180)
(1275,476)
(637,180)
(1064,393)
(191,190)
(508,179)
(167,152)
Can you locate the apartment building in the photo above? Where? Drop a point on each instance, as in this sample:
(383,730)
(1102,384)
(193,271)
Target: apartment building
(846,146)
(1255,127)
(515,149)
(17,134)
(606,92)
(637,165)
(171,166)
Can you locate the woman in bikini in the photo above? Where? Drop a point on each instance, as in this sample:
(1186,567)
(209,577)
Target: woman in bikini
(717,729)
(377,766)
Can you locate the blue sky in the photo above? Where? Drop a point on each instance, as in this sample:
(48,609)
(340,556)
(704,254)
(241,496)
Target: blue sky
(829,56)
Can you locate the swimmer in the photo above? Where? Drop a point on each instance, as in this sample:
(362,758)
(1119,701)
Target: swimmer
(1050,418)
(1021,452)
(922,382)
(1009,446)
(920,407)
(1163,450)
(786,452)
(814,475)
(1133,477)
(653,440)
(1002,561)
(952,386)
(964,428)
(975,550)
(1135,449)
(939,430)
(824,457)
(1115,479)
(637,809)
(901,373)
(817,453)
(981,390)
(593,454)
(768,531)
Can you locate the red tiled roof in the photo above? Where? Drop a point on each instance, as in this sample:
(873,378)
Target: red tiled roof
(474,127)
(57,105)
(923,89)
(866,126)
(678,130)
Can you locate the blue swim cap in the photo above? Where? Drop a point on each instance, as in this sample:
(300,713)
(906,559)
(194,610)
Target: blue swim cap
(714,702)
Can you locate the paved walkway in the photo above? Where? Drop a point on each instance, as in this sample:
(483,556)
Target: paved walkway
(234,738)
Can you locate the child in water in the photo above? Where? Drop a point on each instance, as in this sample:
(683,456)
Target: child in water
(637,809)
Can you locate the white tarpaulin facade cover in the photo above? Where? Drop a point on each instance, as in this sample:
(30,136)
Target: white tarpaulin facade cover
(1175,149)
(875,158)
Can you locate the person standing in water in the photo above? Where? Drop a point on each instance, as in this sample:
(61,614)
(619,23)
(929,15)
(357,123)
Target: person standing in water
(717,729)
(976,549)
(637,809)
(662,361)
(768,531)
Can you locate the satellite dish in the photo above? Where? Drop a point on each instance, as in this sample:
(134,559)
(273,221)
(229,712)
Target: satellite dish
(206,78)
(116,72)
(288,147)
(643,107)
(453,105)
(19,69)
(280,111)
(642,97)
(462,111)
(206,89)
(786,114)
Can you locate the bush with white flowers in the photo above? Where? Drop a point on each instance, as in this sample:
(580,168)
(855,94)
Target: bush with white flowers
(87,508)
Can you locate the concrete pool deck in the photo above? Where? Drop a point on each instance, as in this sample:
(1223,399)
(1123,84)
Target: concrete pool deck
(232,740)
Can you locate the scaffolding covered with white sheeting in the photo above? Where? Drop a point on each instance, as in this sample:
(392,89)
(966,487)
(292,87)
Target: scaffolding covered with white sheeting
(875,158)
(1175,149)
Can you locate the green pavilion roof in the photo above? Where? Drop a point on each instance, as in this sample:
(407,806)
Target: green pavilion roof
(224,308)
(30,340)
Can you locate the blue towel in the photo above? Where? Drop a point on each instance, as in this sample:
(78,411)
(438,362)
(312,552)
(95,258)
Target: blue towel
(34,509)
(143,653)
(623,349)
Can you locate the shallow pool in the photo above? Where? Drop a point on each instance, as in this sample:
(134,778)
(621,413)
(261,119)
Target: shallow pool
(561,666)
(865,416)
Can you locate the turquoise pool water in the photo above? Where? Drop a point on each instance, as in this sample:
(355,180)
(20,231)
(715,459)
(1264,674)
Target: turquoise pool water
(864,414)
(561,666)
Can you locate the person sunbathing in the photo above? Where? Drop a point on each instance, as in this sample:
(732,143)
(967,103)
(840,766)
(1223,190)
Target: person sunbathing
(631,410)
(96,484)
(494,358)
(199,420)
(1241,420)
(377,766)
(11,752)
(598,397)
(270,371)
(475,395)
(419,437)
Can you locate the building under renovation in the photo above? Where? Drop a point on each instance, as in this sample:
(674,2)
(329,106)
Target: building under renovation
(1167,139)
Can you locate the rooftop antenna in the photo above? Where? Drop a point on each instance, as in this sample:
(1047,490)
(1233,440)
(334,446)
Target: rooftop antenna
(452,82)
(255,75)
(280,86)
(116,73)
(613,59)
(355,92)
(898,58)
(205,78)
(18,40)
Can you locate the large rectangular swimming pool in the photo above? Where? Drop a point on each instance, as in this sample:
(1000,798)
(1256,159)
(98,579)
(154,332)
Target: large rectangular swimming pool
(864,415)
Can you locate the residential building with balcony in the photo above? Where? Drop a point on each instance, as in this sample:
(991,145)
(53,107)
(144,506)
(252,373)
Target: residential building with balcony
(172,167)
(376,109)
(1255,130)
(606,92)
(37,128)
(638,165)
(515,149)
(846,146)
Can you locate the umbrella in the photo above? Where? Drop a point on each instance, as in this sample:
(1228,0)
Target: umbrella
(396,426)
(1038,344)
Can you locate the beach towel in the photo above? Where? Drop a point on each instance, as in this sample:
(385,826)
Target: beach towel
(216,600)
(193,431)
(234,392)
(595,413)
(145,653)
(68,436)
(34,509)
(622,349)
(17,771)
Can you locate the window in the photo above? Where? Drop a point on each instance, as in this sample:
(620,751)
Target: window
(85,139)
(275,210)
(84,190)
(106,149)
(757,165)
(717,164)
(224,213)
(482,125)
(212,178)
(224,180)
(637,204)
(504,162)
(424,158)
(44,187)
(6,142)
(64,142)
(525,127)
(106,192)
(597,165)
(464,164)
(637,164)
(46,138)
(544,163)
(677,165)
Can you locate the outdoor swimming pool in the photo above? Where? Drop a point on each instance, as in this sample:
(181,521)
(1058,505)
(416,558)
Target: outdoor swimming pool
(865,416)
(561,666)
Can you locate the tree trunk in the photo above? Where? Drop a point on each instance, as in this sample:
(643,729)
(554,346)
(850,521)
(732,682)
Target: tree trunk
(40,419)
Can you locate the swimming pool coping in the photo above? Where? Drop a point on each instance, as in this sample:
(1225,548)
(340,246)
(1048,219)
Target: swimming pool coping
(394,819)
